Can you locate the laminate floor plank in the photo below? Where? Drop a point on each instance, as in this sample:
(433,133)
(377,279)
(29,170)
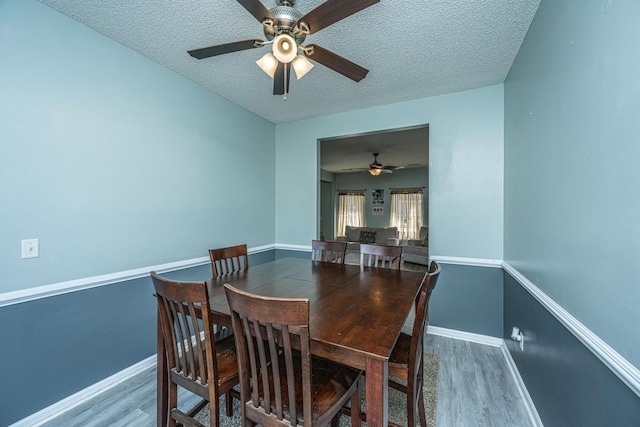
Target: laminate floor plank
(475,388)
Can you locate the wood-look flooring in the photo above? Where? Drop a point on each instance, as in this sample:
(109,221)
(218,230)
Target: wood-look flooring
(475,388)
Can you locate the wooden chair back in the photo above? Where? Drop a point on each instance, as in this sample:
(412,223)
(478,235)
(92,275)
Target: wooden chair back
(325,251)
(277,387)
(385,256)
(420,323)
(271,319)
(193,362)
(229,260)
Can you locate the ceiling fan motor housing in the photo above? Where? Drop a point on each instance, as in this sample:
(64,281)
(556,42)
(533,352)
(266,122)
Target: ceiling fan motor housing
(287,17)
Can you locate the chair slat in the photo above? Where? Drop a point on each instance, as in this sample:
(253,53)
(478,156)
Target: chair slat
(380,256)
(326,251)
(229,260)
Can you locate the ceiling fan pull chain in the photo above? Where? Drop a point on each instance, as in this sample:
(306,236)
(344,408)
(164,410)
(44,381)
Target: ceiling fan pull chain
(286,89)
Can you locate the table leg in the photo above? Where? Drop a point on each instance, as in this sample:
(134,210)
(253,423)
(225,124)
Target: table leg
(377,393)
(162,392)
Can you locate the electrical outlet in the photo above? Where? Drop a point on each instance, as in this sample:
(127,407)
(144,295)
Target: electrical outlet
(30,248)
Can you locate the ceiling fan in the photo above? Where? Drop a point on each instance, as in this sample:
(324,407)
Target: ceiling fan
(376,167)
(285,30)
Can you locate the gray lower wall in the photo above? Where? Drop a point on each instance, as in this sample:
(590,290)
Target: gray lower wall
(469,299)
(568,384)
(54,347)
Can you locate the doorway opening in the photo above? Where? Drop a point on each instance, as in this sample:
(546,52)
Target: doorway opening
(345,161)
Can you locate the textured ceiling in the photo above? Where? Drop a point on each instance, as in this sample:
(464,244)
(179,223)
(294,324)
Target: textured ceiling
(408,148)
(412,49)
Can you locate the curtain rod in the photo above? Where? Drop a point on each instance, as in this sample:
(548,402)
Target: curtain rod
(407,190)
(352,191)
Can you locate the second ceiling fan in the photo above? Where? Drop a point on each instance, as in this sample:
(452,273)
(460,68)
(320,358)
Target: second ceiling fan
(376,167)
(285,28)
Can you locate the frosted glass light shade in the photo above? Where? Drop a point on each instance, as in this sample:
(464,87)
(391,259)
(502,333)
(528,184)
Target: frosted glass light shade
(268,63)
(375,172)
(284,48)
(301,66)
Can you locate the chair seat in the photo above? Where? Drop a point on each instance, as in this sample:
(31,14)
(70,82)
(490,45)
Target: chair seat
(226,360)
(330,382)
(399,359)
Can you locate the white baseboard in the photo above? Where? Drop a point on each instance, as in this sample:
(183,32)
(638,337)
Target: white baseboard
(64,405)
(531,408)
(465,336)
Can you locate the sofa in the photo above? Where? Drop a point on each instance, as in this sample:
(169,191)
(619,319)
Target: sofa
(382,236)
(417,250)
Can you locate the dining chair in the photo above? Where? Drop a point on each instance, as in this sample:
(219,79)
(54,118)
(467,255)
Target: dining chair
(196,359)
(229,260)
(407,358)
(380,256)
(281,383)
(322,250)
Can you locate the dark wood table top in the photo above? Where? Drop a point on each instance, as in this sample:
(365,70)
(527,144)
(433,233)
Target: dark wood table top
(356,313)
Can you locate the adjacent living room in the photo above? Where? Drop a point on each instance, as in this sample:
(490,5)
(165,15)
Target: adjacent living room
(374,189)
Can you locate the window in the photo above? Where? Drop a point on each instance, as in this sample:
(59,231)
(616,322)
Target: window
(350,209)
(406,211)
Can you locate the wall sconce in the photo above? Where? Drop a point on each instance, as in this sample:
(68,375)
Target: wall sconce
(517,335)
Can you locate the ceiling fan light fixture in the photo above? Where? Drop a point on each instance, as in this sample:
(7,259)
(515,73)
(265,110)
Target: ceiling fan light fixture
(285,48)
(375,171)
(301,66)
(268,63)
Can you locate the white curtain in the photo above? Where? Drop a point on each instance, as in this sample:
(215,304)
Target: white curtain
(406,212)
(350,210)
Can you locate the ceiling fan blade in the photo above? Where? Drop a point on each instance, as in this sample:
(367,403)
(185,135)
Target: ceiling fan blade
(258,10)
(281,79)
(220,49)
(332,11)
(393,168)
(336,62)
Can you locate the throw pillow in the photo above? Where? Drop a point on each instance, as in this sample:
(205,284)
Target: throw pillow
(367,236)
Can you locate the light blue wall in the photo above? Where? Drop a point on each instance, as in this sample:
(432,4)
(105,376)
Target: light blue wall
(572,156)
(113,161)
(466,164)
(417,177)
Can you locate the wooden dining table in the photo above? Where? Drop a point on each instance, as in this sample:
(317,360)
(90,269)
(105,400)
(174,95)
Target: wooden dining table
(355,316)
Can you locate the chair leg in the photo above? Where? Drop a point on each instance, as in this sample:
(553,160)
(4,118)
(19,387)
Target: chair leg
(173,403)
(422,410)
(335,420)
(229,401)
(355,405)
(214,409)
(411,407)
